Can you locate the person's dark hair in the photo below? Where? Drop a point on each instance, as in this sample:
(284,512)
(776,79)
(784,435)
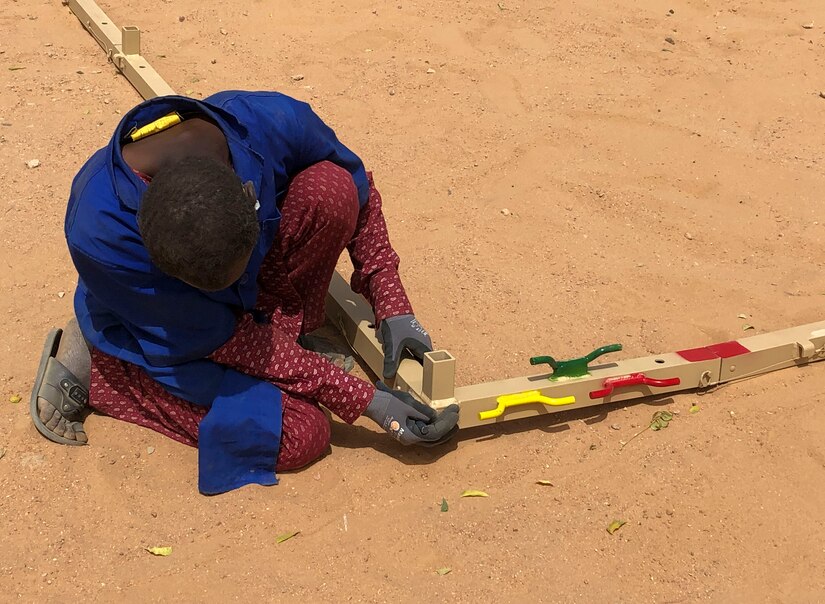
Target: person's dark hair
(196,221)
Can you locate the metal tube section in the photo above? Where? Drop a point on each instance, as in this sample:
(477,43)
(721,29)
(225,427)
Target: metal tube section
(438,387)
(130,40)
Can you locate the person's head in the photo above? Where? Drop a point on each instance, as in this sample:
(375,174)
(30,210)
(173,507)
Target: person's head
(198,222)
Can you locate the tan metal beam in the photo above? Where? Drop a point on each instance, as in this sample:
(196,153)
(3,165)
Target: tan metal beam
(122,48)
(354,317)
(762,354)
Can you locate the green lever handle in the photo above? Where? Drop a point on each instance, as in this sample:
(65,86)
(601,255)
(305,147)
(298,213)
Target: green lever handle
(573,368)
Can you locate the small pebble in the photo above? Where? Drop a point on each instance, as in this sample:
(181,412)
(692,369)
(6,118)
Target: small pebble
(670,40)
(615,427)
(182,18)
(61,294)
(214,61)
(297,77)
(430,70)
(808,25)
(505,211)
(223,31)
(2,453)
(150,450)
(154,514)
(822,94)
(391,91)
(689,236)
(79,71)
(32,163)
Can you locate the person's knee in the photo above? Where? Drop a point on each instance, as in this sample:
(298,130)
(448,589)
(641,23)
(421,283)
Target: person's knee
(330,196)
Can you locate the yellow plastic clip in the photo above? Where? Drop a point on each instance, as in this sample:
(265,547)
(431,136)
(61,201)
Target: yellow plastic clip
(160,124)
(524,398)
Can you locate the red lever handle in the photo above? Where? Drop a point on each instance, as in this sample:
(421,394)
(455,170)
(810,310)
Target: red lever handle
(633,379)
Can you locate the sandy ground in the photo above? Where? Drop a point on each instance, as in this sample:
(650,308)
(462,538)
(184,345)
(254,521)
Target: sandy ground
(654,190)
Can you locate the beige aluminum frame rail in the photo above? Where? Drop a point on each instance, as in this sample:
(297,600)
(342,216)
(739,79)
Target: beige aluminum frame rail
(434,382)
(122,47)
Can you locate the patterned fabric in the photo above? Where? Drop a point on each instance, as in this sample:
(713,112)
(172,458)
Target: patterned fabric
(320,216)
(376,263)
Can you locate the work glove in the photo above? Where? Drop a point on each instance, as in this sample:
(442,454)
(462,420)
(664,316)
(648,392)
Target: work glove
(400,333)
(409,421)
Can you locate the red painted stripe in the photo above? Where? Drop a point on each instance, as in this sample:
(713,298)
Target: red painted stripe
(697,354)
(724,350)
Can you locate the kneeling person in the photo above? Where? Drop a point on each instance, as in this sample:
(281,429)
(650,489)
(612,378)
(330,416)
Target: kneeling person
(205,236)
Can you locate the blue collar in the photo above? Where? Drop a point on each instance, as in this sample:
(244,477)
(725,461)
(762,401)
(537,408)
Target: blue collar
(247,163)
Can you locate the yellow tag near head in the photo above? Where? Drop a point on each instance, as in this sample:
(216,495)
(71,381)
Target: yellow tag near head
(160,124)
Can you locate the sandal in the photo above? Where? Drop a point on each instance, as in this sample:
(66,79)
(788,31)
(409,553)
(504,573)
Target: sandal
(61,388)
(329,350)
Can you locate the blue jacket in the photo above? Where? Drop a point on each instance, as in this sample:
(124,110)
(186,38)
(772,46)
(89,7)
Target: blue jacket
(128,308)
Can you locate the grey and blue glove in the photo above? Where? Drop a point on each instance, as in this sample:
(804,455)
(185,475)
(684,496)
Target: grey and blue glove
(410,421)
(398,334)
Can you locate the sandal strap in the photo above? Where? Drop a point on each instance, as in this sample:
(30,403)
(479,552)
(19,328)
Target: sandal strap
(64,391)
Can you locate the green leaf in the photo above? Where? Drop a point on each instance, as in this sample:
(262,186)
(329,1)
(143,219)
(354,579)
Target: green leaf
(660,420)
(15,398)
(472,493)
(446,570)
(694,408)
(615,526)
(444,506)
(159,551)
(545,483)
(285,536)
